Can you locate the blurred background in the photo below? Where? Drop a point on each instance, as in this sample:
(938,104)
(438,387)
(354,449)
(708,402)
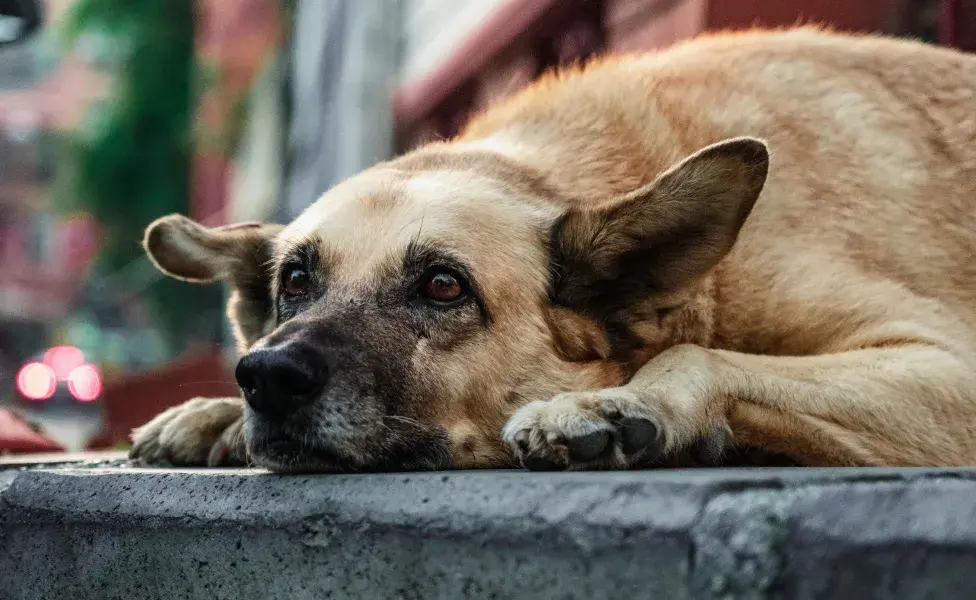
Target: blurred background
(115,112)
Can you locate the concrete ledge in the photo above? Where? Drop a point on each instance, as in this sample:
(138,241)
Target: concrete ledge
(111,532)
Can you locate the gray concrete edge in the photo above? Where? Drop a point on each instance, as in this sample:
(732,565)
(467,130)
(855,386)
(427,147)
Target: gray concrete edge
(757,533)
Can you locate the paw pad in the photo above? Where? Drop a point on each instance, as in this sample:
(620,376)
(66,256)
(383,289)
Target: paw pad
(589,446)
(638,434)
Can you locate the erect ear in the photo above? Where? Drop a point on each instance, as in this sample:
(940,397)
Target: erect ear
(659,237)
(238,254)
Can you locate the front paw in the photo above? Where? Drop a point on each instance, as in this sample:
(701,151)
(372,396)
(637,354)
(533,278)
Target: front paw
(201,432)
(605,429)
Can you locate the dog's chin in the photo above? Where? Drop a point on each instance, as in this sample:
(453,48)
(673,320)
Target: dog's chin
(287,455)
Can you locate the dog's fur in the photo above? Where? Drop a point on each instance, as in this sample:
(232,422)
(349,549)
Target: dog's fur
(634,297)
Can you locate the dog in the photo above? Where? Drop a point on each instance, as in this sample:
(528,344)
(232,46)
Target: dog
(758,241)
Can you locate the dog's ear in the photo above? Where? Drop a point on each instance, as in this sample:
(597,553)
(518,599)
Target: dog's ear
(238,254)
(184,249)
(660,237)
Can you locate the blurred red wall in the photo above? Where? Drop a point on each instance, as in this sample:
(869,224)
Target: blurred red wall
(523,38)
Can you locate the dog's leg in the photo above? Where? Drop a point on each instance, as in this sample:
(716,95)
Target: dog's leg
(894,405)
(200,432)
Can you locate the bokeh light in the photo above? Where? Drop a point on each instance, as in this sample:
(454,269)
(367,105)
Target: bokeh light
(36,381)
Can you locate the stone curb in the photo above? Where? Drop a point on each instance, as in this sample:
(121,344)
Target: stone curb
(109,532)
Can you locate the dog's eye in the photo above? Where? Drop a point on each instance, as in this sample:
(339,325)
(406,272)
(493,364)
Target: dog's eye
(295,282)
(442,287)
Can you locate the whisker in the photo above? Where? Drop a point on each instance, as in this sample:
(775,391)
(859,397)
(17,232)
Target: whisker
(420,229)
(406,420)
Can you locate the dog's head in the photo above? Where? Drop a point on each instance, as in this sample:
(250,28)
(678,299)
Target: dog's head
(401,319)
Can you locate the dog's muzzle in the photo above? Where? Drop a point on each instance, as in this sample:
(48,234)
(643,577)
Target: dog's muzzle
(322,399)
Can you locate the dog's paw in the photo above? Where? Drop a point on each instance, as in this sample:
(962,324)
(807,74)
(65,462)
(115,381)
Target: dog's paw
(201,432)
(605,429)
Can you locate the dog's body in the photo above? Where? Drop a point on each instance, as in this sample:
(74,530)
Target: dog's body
(839,329)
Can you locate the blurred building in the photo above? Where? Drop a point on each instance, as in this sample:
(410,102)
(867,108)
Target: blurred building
(344,60)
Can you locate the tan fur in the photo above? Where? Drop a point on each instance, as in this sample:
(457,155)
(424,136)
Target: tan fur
(836,327)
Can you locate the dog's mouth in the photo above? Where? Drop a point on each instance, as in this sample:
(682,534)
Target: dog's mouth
(282,453)
(293,453)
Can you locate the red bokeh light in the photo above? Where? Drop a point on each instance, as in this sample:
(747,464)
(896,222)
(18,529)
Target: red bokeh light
(64,359)
(36,381)
(85,383)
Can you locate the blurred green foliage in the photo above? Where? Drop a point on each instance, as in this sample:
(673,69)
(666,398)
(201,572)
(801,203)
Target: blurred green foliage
(130,161)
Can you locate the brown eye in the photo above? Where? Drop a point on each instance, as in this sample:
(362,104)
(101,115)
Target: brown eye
(295,282)
(443,287)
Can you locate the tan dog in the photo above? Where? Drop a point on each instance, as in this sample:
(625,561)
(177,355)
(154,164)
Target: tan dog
(589,276)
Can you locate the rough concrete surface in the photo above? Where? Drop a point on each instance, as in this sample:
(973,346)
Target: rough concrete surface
(113,532)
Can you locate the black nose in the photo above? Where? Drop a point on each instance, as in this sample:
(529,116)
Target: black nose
(278,380)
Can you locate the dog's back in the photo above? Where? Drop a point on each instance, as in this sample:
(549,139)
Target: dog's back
(868,211)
